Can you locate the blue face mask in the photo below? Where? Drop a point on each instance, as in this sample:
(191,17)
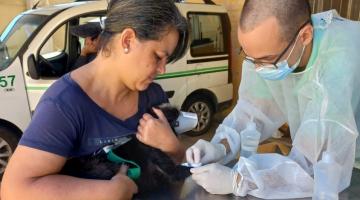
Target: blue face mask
(283,69)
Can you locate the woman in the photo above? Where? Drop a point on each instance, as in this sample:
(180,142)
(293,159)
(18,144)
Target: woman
(100,103)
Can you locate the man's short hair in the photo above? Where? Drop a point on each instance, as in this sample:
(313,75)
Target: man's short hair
(290,14)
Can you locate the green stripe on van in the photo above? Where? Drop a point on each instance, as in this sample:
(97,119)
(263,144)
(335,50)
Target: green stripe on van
(36,88)
(192,72)
(164,76)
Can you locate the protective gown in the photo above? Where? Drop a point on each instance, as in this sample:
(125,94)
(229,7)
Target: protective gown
(320,104)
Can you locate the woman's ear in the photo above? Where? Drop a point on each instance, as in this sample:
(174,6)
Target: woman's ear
(307,34)
(128,38)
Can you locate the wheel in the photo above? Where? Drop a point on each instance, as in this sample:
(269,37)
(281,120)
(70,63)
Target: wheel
(204,110)
(8,142)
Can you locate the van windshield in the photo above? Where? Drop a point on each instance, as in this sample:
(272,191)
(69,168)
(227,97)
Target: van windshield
(20,29)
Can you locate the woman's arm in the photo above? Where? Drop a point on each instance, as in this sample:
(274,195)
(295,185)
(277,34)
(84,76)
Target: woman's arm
(33,174)
(176,151)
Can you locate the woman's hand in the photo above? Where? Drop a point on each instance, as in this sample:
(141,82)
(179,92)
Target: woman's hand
(157,133)
(122,185)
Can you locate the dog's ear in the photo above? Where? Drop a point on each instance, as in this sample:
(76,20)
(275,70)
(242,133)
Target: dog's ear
(171,112)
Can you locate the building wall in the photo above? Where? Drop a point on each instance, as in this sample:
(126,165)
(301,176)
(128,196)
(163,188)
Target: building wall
(346,8)
(9,9)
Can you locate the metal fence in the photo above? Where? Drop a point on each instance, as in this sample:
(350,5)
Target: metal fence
(346,8)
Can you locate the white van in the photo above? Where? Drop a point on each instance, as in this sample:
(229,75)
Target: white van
(36,49)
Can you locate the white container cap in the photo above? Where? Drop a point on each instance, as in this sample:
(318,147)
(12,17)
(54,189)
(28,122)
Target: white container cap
(185,122)
(193,165)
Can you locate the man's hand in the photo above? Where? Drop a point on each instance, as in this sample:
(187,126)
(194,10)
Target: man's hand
(205,152)
(215,178)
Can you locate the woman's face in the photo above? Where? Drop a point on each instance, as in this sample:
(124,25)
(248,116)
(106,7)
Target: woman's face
(146,59)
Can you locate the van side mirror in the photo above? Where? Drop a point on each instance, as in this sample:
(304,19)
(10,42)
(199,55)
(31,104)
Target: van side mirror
(32,67)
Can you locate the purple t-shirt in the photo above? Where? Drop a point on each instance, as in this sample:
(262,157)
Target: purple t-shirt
(68,123)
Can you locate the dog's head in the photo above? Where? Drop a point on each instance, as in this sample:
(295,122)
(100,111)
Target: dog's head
(171,113)
(179,121)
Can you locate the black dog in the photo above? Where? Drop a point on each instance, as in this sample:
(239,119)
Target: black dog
(157,168)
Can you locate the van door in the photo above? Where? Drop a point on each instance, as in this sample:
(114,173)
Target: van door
(174,82)
(209,49)
(209,63)
(50,61)
(14,110)
(13,41)
(13,97)
(56,55)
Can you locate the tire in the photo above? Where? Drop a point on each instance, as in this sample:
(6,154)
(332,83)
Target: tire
(8,142)
(204,110)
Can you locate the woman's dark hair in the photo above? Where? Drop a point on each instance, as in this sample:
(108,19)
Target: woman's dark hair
(150,19)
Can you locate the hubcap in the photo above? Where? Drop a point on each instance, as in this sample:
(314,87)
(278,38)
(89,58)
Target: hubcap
(5,153)
(203,113)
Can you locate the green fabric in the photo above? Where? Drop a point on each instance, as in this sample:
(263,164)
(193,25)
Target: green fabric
(318,33)
(133,172)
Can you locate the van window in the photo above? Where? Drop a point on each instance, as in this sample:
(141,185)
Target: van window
(52,57)
(55,45)
(16,34)
(207,34)
(61,50)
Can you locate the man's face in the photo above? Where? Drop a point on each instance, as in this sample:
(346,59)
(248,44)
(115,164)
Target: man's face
(93,43)
(265,43)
